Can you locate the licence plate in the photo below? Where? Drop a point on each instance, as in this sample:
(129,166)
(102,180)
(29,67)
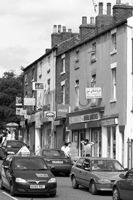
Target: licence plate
(37,186)
(60,162)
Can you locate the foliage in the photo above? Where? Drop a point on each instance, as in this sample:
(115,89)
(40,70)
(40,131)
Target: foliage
(10,87)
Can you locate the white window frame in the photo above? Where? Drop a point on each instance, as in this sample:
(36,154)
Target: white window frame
(113,80)
(113,41)
(63,91)
(77,92)
(63,64)
(26,79)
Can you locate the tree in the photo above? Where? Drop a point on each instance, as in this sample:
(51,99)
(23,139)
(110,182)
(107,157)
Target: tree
(10,87)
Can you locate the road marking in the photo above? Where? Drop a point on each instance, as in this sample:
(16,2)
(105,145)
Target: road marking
(9,195)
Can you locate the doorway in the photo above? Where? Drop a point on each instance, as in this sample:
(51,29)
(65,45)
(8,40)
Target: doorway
(96,138)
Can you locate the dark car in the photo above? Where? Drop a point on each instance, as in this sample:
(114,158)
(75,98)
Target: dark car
(123,188)
(57,159)
(10,147)
(27,174)
(98,174)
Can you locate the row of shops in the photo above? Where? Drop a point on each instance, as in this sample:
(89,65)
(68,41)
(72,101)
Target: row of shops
(44,129)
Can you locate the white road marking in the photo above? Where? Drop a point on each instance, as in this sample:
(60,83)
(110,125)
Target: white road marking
(9,195)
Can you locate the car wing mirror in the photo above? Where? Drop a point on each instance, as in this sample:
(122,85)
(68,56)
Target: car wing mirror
(121,175)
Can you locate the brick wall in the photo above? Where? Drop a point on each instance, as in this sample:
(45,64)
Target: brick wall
(86,31)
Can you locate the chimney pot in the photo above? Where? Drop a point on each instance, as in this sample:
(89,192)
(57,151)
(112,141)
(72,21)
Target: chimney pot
(108,8)
(118,1)
(55,29)
(64,28)
(59,28)
(69,30)
(91,20)
(100,8)
(84,20)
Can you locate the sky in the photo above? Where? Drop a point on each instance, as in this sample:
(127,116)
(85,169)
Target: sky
(26,27)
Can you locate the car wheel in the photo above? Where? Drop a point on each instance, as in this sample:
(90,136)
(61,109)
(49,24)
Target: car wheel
(52,195)
(74,183)
(12,189)
(116,195)
(1,185)
(93,188)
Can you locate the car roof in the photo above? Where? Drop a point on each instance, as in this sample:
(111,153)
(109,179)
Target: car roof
(98,158)
(24,156)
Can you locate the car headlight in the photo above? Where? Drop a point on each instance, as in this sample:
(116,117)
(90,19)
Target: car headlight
(20,180)
(52,180)
(104,181)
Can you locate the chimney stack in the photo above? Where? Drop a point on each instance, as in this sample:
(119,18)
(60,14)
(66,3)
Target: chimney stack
(84,20)
(100,8)
(59,28)
(118,1)
(55,29)
(108,8)
(64,29)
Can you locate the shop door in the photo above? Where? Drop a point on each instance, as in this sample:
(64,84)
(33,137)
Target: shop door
(96,138)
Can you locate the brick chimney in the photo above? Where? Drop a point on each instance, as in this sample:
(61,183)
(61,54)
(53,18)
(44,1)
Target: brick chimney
(121,11)
(59,36)
(87,30)
(103,20)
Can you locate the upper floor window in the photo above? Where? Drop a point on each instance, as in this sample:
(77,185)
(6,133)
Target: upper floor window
(49,62)
(93,81)
(63,92)
(93,52)
(113,89)
(48,90)
(77,92)
(33,74)
(113,41)
(77,58)
(40,69)
(26,79)
(63,64)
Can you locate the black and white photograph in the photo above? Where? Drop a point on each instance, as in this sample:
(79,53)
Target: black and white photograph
(66,99)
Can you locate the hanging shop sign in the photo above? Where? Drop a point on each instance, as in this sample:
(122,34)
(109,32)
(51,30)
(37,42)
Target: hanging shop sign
(84,118)
(93,93)
(62,110)
(38,86)
(29,101)
(50,114)
(109,122)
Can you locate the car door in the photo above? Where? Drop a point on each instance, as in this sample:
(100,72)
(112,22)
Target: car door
(86,172)
(4,169)
(126,186)
(9,172)
(78,170)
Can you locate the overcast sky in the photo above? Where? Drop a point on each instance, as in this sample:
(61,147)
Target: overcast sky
(26,27)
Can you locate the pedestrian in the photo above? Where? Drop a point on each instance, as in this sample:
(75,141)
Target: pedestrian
(68,149)
(87,147)
(63,148)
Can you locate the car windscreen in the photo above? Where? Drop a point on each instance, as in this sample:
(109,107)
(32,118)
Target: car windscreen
(14,144)
(29,164)
(53,153)
(106,165)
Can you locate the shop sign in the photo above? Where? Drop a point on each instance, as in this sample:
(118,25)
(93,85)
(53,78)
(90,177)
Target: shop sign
(18,110)
(93,93)
(50,114)
(29,101)
(84,118)
(39,86)
(109,122)
(62,110)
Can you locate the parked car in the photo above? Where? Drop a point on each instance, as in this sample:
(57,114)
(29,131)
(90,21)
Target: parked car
(98,174)
(27,174)
(57,159)
(10,147)
(123,188)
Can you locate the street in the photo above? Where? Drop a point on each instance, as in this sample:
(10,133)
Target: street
(64,192)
